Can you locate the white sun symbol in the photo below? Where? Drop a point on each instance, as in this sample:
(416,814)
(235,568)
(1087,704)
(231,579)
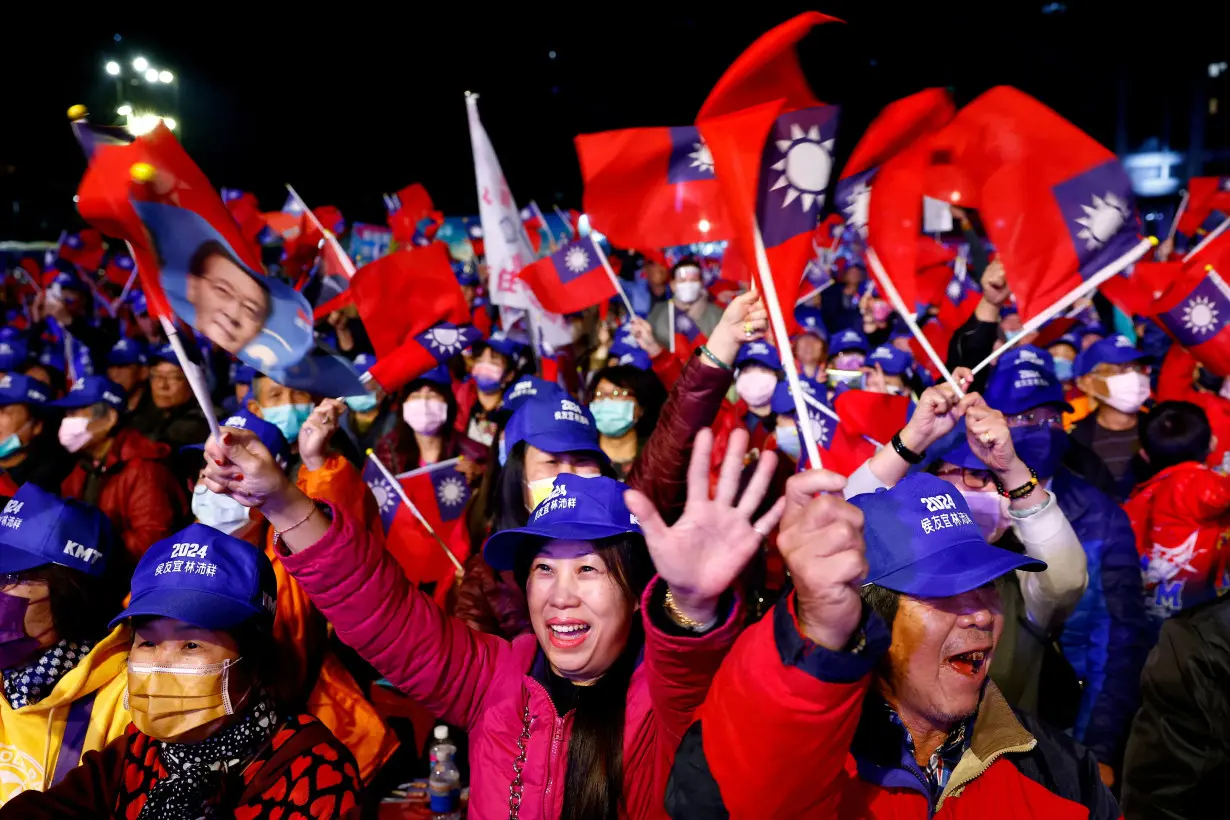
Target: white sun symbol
(954,290)
(805,165)
(819,429)
(576,259)
(451,492)
(445,339)
(701,157)
(858,206)
(1199,315)
(384,495)
(1101,221)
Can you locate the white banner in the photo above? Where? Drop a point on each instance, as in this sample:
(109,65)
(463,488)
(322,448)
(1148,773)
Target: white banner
(506,246)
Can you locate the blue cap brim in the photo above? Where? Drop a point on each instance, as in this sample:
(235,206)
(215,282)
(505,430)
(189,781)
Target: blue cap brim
(552,441)
(934,577)
(193,606)
(500,551)
(73,402)
(14,560)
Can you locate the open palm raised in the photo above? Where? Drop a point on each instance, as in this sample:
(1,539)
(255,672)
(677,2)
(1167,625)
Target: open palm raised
(706,549)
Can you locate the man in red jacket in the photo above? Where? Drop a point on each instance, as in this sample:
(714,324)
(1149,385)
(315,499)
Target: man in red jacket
(118,470)
(865,694)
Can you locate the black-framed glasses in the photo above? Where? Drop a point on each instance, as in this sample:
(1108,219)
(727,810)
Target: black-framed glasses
(970,477)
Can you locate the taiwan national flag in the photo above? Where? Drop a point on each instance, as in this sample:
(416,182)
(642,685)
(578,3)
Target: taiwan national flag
(772,144)
(247,212)
(406,539)
(440,492)
(571,279)
(405,209)
(688,335)
(651,187)
(1057,206)
(1204,196)
(84,249)
(1194,305)
(119,269)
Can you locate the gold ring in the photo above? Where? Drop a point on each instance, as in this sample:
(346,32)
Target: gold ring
(747,328)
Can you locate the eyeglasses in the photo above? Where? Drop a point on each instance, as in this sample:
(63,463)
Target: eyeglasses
(974,479)
(1036,418)
(617,393)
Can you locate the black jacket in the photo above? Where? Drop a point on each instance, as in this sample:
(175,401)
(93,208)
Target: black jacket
(1178,755)
(1095,472)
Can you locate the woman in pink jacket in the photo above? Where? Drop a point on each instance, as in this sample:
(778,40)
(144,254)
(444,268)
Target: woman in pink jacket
(580,719)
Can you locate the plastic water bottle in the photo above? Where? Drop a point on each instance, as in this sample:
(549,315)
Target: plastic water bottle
(444,784)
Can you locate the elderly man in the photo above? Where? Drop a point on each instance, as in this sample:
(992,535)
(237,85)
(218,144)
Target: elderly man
(866,693)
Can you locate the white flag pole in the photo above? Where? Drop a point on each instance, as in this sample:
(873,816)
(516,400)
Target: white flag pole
(890,290)
(778,322)
(405,499)
(610,272)
(815,292)
(670,322)
(196,379)
(567,222)
(430,468)
(342,256)
(1213,234)
(1087,287)
(132,277)
(1178,214)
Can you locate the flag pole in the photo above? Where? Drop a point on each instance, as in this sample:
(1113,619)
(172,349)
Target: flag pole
(1088,286)
(1178,214)
(890,290)
(610,272)
(1213,234)
(545,226)
(815,292)
(430,468)
(132,277)
(405,499)
(342,256)
(567,222)
(778,322)
(194,375)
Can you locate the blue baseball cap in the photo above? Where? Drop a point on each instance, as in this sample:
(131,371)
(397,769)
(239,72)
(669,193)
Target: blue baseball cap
(205,578)
(242,373)
(269,435)
(286,335)
(363,362)
(1093,329)
(14,352)
(578,509)
(632,358)
(1031,355)
(1116,349)
(53,357)
(527,387)
(68,281)
(1072,338)
(849,339)
(554,423)
(437,375)
(900,331)
(500,343)
(1022,387)
(126,352)
(922,541)
(18,389)
(811,321)
(136,298)
(761,353)
(892,361)
(783,399)
(8,333)
(90,390)
(162,353)
(39,528)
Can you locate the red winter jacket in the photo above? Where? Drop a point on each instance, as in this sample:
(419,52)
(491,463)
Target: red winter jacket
(487,685)
(1181,519)
(139,492)
(783,734)
(1174,383)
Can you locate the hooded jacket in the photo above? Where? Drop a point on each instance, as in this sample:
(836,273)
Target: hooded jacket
(89,697)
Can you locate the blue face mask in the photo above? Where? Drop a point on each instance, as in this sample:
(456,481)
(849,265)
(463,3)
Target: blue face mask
(1064,370)
(613,416)
(1042,448)
(288,418)
(10,445)
(788,441)
(361,404)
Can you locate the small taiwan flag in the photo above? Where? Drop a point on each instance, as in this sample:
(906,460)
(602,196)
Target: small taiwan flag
(571,279)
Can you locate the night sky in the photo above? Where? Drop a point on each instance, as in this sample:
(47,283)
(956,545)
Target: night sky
(362,101)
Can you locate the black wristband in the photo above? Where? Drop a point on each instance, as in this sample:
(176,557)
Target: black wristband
(905,452)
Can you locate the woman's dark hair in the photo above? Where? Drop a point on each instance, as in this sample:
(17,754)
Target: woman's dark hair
(593,786)
(508,498)
(644,385)
(406,447)
(1175,432)
(81,605)
(215,248)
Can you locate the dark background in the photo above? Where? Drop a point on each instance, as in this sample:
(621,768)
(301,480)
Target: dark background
(353,100)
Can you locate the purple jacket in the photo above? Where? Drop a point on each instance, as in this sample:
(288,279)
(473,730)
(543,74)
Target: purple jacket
(483,682)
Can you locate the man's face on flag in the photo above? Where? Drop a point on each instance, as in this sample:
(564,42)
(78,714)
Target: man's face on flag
(231,306)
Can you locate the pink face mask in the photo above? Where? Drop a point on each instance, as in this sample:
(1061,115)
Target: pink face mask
(425,416)
(74,433)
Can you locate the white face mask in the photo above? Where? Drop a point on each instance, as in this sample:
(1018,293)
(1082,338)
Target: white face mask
(1127,392)
(990,513)
(221,512)
(687,292)
(74,433)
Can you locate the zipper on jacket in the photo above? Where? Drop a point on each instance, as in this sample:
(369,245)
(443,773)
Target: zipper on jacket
(951,792)
(556,734)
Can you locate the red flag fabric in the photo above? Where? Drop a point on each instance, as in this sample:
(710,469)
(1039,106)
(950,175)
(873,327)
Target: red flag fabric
(651,187)
(1057,205)
(119,269)
(246,211)
(772,140)
(1192,302)
(84,249)
(405,293)
(571,279)
(1204,196)
(406,208)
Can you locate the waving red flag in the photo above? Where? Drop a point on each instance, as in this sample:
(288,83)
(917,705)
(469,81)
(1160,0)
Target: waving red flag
(1191,302)
(405,209)
(1204,196)
(571,279)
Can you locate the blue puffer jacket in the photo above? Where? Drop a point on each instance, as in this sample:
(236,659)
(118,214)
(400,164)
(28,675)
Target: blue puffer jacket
(1105,639)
